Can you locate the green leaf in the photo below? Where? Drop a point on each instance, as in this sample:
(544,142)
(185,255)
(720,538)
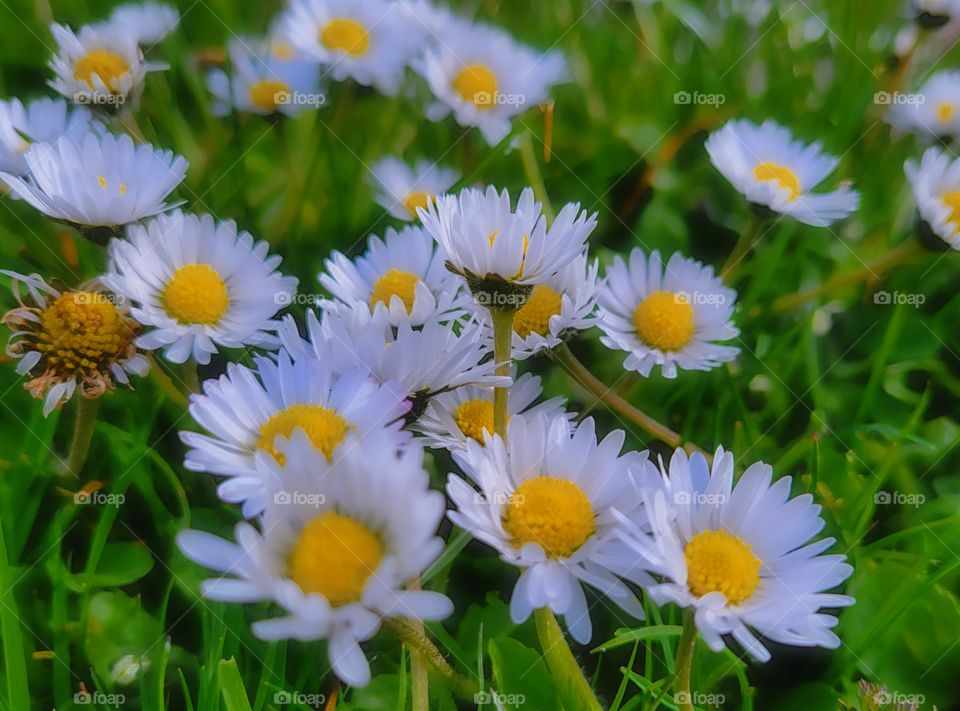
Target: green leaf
(521,676)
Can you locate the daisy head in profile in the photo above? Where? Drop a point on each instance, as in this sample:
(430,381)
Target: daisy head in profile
(402,189)
(369,41)
(261,82)
(547,504)
(248,411)
(39,121)
(484,78)
(674,316)
(402,275)
(740,557)
(778,173)
(454,418)
(100,66)
(70,340)
(196,285)
(98,183)
(337,547)
(935,181)
(934,111)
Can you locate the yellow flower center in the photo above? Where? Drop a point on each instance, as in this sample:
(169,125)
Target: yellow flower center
(783,176)
(196,295)
(720,562)
(952,200)
(945,111)
(474,417)
(334,556)
(534,316)
(267,94)
(552,512)
(282,50)
(82,331)
(415,200)
(323,426)
(108,66)
(345,35)
(664,320)
(477,84)
(395,283)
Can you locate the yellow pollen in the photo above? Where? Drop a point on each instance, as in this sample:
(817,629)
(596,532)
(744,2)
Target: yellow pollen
(103,182)
(108,66)
(196,295)
(323,426)
(945,111)
(282,50)
(552,512)
(395,283)
(664,320)
(534,316)
(720,562)
(334,556)
(952,200)
(82,331)
(123,188)
(267,94)
(345,35)
(477,84)
(784,177)
(474,417)
(492,237)
(415,200)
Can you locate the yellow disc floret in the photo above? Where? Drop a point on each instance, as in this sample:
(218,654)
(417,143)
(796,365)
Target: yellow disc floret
(196,295)
(267,94)
(534,316)
(334,556)
(474,417)
(395,283)
(784,177)
(345,35)
(415,200)
(952,200)
(552,512)
(323,426)
(664,320)
(477,84)
(82,331)
(720,562)
(108,66)
(945,111)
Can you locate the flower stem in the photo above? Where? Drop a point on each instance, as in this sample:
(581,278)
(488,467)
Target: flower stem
(613,400)
(420,690)
(416,640)
(502,343)
(688,642)
(748,238)
(83,426)
(563,667)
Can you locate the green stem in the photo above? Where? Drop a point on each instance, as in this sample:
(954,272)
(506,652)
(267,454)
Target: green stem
(532,170)
(416,640)
(83,425)
(18,692)
(560,660)
(688,642)
(420,689)
(748,238)
(502,343)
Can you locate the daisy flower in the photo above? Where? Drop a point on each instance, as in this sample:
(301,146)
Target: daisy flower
(70,340)
(403,275)
(454,418)
(935,181)
(99,65)
(485,240)
(198,284)
(774,171)
(739,556)
(150,22)
(262,83)
(485,78)
(100,181)
(40,121)
(546,504)
(339,544)
(369,41)
(405,188)
(248,411)
(669,316)
(934,110)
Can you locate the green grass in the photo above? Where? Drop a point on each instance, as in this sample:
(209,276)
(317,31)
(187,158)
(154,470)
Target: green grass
(851,398)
